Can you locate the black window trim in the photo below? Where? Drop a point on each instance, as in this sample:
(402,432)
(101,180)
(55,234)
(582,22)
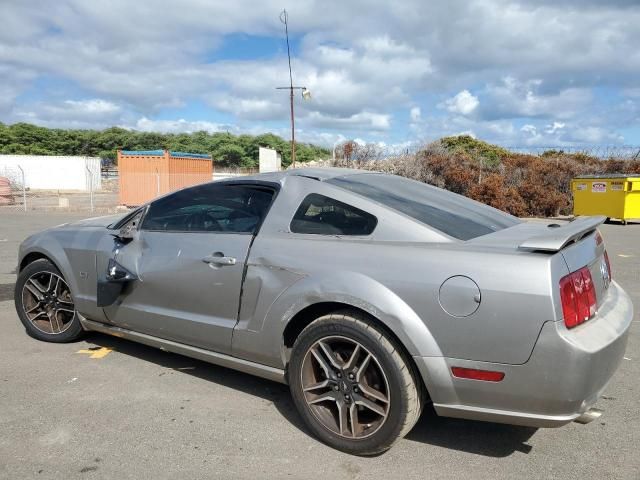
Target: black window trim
(275,188)
(333,235)
(128,217)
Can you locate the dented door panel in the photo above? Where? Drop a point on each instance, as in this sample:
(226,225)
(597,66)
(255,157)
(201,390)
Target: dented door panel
(179,293)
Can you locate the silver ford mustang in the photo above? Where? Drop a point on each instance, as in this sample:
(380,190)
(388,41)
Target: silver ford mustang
(369,294)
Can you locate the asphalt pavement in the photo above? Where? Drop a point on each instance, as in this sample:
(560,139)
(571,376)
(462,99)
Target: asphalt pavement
(107,408)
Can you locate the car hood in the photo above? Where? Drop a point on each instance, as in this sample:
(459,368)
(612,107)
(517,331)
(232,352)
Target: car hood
(104,221)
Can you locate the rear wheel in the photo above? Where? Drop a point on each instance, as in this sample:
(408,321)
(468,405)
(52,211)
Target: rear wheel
(44,303)
(353,385)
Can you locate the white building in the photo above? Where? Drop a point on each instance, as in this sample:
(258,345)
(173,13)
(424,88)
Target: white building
(269,160)
(45,172)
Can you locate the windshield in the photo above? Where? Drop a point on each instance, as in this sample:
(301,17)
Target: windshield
(450,213)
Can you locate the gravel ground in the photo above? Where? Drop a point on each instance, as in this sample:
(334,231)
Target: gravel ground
(138,412)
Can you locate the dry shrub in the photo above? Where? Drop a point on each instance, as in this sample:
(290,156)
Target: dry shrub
(521,184)
(541,201)
(494,192)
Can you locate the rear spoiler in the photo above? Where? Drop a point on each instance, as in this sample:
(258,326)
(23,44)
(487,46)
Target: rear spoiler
(562,235)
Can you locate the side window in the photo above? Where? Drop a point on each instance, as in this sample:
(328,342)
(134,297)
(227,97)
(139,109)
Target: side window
(322,215)
(210,208)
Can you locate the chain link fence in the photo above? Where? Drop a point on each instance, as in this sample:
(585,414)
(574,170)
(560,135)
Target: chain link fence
(100,197)
(603,152)
(353,151)
(13,193)
(16,196)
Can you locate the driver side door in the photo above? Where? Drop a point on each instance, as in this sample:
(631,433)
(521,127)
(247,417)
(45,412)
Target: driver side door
(188,257)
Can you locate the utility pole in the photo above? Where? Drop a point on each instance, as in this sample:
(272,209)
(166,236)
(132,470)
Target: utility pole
(284,18)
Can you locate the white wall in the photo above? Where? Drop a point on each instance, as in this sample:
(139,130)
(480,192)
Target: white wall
(225,175)
(269,160)
(44,172)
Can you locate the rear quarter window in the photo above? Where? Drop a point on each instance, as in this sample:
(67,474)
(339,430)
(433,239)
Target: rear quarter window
(450,213)
(321,215)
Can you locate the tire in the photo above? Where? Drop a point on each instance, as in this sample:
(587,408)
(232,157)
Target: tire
(387,374)
(44,304)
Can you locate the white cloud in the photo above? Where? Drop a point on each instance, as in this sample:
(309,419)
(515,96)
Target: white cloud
(12,84)
(90,113)
(526,61)
(554,127)
(249,108)
(632,92)
(94,106)
(595,135)
(178,126)
(415,114)
(512,98)
(463,103)
(363,120)
(506,132)
(531,135)
(326,139)
(561,134)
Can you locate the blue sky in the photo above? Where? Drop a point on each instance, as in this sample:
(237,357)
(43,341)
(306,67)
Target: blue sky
(519,73)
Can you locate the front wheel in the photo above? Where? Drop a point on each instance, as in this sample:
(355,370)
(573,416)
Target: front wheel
(353,385)
(44,303)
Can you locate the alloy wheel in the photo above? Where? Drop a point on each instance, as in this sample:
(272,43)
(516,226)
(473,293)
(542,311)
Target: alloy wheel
(345,387)
(47,302)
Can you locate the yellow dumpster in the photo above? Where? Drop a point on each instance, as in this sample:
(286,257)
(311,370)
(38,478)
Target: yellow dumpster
(614,195)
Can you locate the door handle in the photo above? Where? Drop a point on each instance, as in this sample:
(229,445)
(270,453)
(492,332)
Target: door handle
(218,258)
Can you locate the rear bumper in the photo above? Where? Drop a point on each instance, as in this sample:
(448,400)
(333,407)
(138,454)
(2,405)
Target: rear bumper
(563,378)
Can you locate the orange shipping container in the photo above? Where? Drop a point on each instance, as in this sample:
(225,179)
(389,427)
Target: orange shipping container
(147,174)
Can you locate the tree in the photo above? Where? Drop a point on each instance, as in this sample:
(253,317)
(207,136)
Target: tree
(226,149)
(231,155)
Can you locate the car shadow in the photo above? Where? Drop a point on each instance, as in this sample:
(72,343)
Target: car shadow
(481,438)
(274,392)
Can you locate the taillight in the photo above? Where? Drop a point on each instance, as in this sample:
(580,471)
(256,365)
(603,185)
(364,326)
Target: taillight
(591,291)
(598,238)
(606,259)
(578,297)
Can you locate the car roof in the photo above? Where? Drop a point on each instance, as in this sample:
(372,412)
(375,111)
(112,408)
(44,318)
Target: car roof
(320,174)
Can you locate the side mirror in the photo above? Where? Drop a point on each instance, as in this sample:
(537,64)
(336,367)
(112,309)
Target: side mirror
(126,233)
(110,287)
(129,229)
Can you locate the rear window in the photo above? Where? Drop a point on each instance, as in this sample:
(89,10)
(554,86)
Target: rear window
(450,213)
(320,215)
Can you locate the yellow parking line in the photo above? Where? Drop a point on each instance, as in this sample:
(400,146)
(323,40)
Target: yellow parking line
(96,352)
